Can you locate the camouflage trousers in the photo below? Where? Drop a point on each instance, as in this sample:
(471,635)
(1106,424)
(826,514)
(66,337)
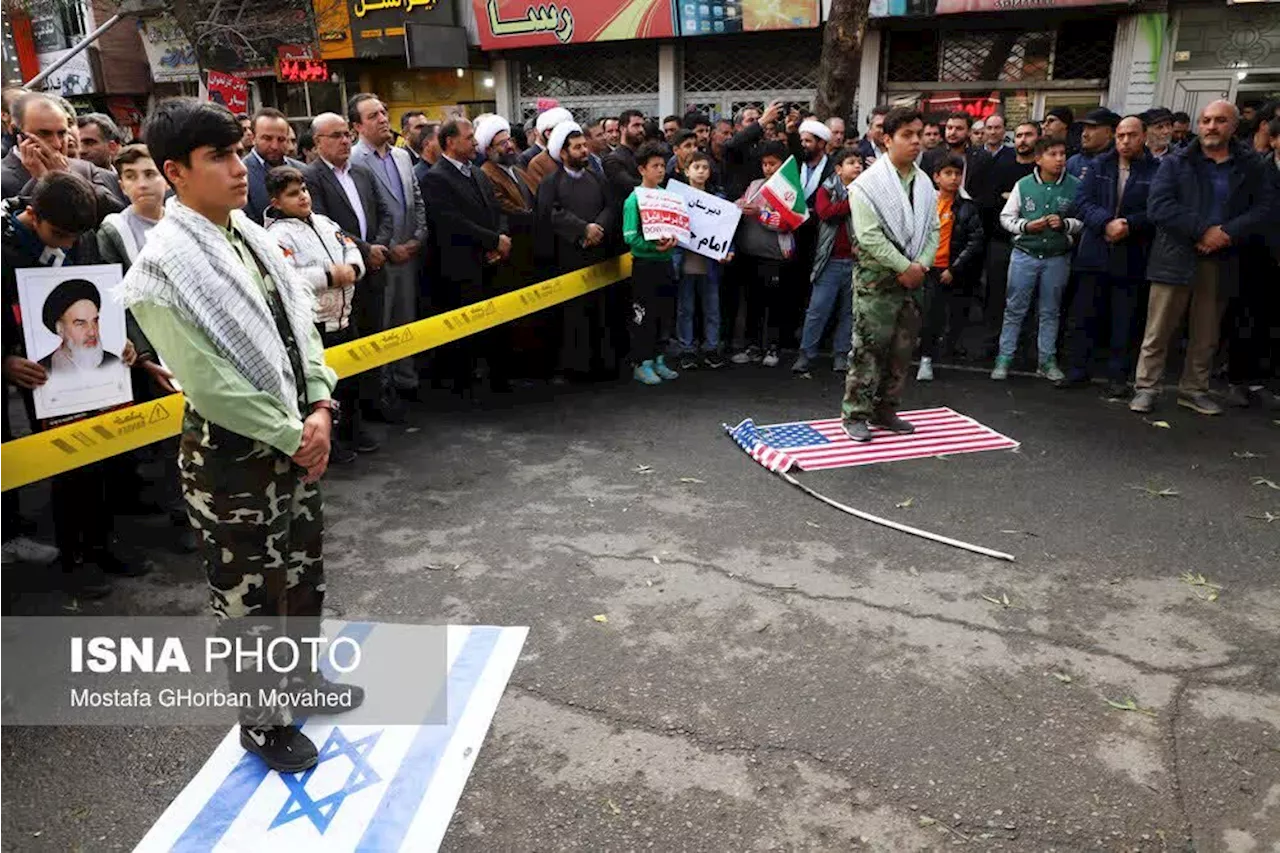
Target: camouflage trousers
(886,322)
(261,533)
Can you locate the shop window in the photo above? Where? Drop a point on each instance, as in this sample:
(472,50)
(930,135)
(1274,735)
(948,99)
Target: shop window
(784,61)
(1078,50)
(292,99)
(914,57)
(326,98)
(590,70)
(1083,51)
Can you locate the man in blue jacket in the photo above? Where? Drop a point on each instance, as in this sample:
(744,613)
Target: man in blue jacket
(1207,199)
(1111,259)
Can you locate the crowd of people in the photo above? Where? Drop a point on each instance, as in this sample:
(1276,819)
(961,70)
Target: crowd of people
(247,249)
(1082,244)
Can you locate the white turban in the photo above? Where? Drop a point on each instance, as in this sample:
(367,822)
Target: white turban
(552,117)
(488,128)
(817,128)
(559,135)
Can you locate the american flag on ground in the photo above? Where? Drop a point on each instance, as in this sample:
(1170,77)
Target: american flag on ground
(815,445)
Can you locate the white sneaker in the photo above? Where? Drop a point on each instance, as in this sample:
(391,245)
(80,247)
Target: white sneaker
(20,549)
(770,358)
(925,373)
(740,358)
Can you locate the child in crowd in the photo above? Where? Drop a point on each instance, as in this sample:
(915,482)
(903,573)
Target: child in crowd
(700,279)
(652,307)
(832,275)
(955,266)
(1036,214)
(766,240)
(330,262)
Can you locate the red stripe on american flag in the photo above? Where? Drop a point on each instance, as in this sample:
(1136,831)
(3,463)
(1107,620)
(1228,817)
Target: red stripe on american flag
(934,443)
(869,457)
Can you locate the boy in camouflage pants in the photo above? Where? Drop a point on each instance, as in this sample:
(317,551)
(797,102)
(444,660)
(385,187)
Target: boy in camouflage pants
(231,319)
(895,221)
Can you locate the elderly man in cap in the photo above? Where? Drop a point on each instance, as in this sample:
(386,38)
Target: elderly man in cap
(546,162)
(1159,131)
(71,313)
(1097,136)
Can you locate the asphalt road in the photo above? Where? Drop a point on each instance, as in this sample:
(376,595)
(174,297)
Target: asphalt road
(774,674)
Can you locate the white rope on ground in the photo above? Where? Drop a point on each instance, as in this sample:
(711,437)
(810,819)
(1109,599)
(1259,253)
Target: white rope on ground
(914,531)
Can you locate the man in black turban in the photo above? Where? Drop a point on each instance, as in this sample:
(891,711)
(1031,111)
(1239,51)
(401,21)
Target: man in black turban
(71,312)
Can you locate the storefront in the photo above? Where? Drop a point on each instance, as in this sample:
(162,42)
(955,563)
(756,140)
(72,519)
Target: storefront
(664,57)
(1222,51)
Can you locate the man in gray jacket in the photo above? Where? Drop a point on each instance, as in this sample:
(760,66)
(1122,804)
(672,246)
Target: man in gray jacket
(41,127)
(393,170)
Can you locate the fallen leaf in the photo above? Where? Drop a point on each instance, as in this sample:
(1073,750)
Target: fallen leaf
(613,807)
(1003,601)
(1160,424)
(1129,705)
(601,618)
(1263,481)
(1266,516)
(763,628)
(1248,454)
(656,560)
(693,480)
(926,822)
(905,504)
(1020,533)
(813,524)
(1063,677)
(1153,492)
(642,469)
(413,429)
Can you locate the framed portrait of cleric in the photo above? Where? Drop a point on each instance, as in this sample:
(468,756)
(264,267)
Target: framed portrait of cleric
(74,328)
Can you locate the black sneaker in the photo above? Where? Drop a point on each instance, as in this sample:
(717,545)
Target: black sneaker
(689,362)
(713,361)
(341,454)
(84,580)
(366,443)
(1068,383)
(893,423)
(332,697)
(285,749)
(1117,390)
(857,430)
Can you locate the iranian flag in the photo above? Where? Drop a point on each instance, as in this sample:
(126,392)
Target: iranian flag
(783,193)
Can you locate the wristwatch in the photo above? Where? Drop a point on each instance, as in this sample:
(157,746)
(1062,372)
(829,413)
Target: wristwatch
(335,410)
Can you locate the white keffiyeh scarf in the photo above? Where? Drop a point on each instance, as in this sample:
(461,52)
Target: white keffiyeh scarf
(906,222)
(188,264)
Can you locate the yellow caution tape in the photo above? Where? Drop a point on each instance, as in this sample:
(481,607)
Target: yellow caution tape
(34,457)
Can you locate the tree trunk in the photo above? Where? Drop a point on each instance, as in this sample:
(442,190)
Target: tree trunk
(841,61)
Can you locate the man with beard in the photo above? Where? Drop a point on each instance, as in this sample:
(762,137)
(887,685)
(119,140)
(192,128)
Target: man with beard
(932,136)
(742,149)
(516,195)
(597,146)
(100,139)
(1159,132)
(576,222)
(424,141)
(71,313)
(620,165)
(270,136)
(394,174)
(815,168)
(411,121)
(977,161)
(542,163)
(542,126)
(1182,129)
(873,142)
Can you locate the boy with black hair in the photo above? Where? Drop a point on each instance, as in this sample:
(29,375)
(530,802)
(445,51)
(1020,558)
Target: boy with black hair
(652,302)
(832,273)
(330,262)
(955,266)
(1037,215)
(684,144)
(765,241)
(54,228)
(699,281)
(233,320)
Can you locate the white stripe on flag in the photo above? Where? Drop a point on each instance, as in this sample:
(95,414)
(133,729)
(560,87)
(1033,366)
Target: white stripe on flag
(235,804)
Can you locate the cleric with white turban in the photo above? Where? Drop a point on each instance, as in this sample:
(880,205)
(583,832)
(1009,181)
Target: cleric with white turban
(816,168)
(562,131)
(487,129)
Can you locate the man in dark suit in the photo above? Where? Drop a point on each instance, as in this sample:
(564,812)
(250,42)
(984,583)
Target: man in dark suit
(270,136)
(424,142)
(42,127)
(468,235)
(348,194)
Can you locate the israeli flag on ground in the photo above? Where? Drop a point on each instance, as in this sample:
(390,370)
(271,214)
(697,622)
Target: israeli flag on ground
(375,788)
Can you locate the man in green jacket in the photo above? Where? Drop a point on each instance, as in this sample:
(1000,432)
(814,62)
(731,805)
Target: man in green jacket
(894,207)
(215,296)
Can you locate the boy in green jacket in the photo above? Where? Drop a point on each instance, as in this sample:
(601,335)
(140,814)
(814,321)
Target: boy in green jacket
(1036,214)
(653,303)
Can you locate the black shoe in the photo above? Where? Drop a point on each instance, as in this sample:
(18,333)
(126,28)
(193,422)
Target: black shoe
(713,361)
(341,454)
(366,443)
(893,423)
(85,580)
(285,749)
(332,697)
(857,430)
(113,565)
(1117,390)
(1070,382)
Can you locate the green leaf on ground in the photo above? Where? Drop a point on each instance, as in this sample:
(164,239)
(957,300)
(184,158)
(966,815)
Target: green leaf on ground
(1002,602)
(1263,481)
(1153,492)
(692,480)
(1248,454)
(1160,424)
(1129,705)
(905,504)
(642,469)
(601,618)
(612,806)
(1063,677)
